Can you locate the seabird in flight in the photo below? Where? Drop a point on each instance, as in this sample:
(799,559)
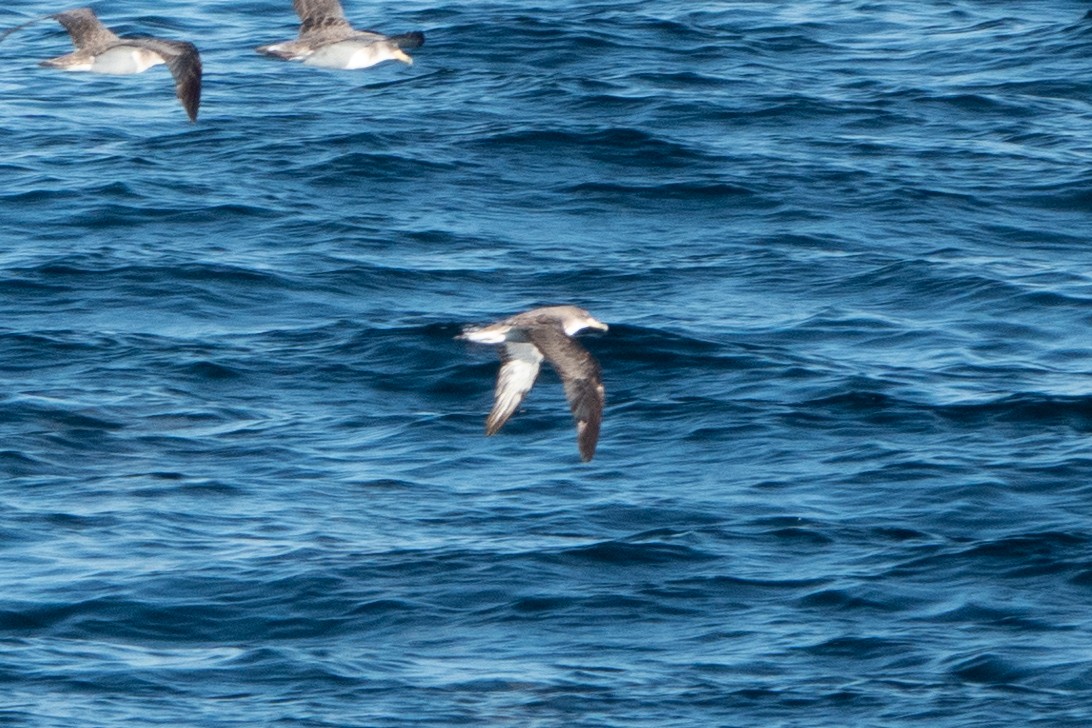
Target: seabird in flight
(546,333)
(327,40)
(99,50)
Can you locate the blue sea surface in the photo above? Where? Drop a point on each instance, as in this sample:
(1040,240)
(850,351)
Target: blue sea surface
(845,472)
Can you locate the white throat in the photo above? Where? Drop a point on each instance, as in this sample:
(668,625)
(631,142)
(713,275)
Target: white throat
(574,326)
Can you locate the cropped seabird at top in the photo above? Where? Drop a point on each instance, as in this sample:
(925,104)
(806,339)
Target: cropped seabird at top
(546,333)
(99,50)
(327,40)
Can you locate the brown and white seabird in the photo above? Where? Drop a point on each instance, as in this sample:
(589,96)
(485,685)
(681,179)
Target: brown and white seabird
(99,50)
(327,40)
(546,333)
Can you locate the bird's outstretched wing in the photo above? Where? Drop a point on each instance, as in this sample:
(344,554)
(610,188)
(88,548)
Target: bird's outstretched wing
(321,17)
(579,372)
(519,368)
(9,31)
(184,60)
(86,30)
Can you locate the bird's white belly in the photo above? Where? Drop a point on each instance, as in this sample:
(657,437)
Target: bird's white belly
(350,54)
(125,60)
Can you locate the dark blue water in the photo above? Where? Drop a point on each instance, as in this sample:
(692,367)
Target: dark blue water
(845,474)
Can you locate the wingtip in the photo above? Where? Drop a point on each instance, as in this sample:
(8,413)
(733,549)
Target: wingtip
(192,106)
(587,451)
(493,423)
(587,437)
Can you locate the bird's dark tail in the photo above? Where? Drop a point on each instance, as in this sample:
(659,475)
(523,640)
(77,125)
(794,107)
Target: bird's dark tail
(409,41)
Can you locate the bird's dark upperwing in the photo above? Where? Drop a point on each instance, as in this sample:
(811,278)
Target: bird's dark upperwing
(321,17)
(185,63)
(86,30)
(579,372)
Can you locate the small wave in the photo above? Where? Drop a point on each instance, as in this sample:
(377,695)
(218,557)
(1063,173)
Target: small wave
(1069,197)
(625,145)
(977,103)
(1021,408)
(57,418)
(858,401)
(690,191)
(82,269)
(845,600)
(626,553)
(1027,408)
(28,351)
(630,345)
(990,669)
(210,370)
(863,648)
(1045,547)
(15,464)
(743,587)
(997,617)
(348,166)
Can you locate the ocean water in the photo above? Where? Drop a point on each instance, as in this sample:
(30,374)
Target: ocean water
(845,472)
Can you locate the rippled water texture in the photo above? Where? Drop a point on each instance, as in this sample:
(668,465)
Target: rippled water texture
(845,474)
